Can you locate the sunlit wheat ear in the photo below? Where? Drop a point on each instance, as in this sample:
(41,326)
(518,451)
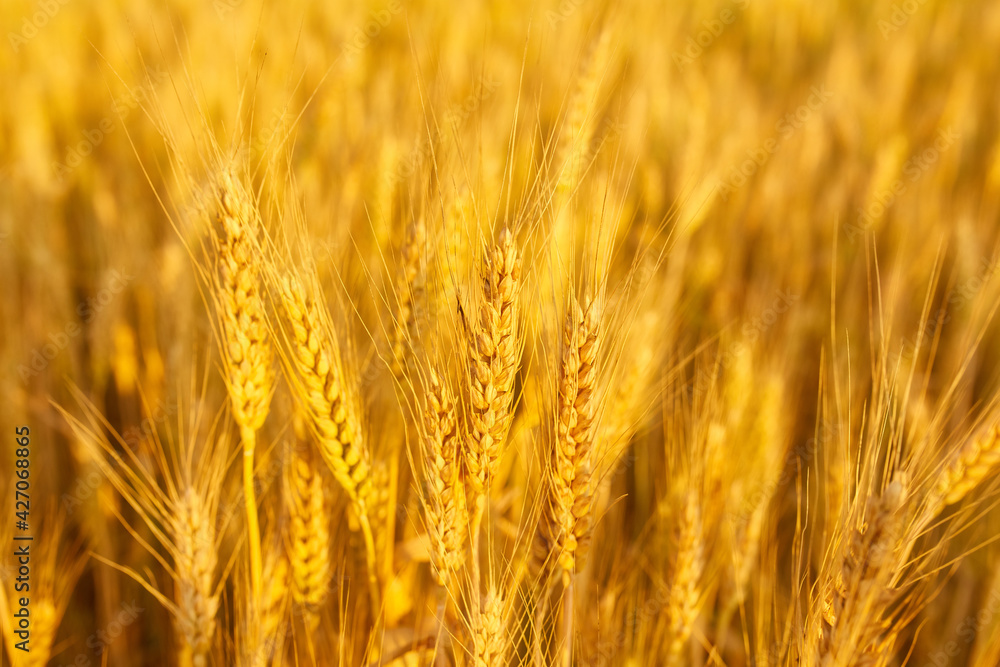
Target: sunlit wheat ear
(245,341)
(269,612)
(444,506)
(858,591)
(971,466)
(682,609)
(308,531)
(317,368)
(195,560)
(566,523)
(323,396)
(494,353)
(489,632)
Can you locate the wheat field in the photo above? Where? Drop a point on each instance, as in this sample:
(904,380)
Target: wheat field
(411,333)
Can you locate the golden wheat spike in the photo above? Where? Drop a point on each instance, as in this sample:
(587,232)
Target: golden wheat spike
(308,530)
(682,610)
(446,512)
(246,343)
(565,527)
(324,398)
(195,559)
(331,414)
(489,633)
(406,288)
(269,612)
(494,354)
(858,592)
(970,467)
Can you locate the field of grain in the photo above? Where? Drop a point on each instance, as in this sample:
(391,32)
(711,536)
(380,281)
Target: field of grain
(411,333)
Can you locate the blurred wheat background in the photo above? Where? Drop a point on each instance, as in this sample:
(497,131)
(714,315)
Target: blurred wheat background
(578,333)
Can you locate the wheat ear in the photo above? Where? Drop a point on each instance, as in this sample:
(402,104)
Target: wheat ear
(246,344)
(445,508)
(195,559)
(970,467)
(682,610)
(316,362)
(859,590)
(406,288)
(494,353)
(308,532)
(565,527)
(489,638)
(269,611)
